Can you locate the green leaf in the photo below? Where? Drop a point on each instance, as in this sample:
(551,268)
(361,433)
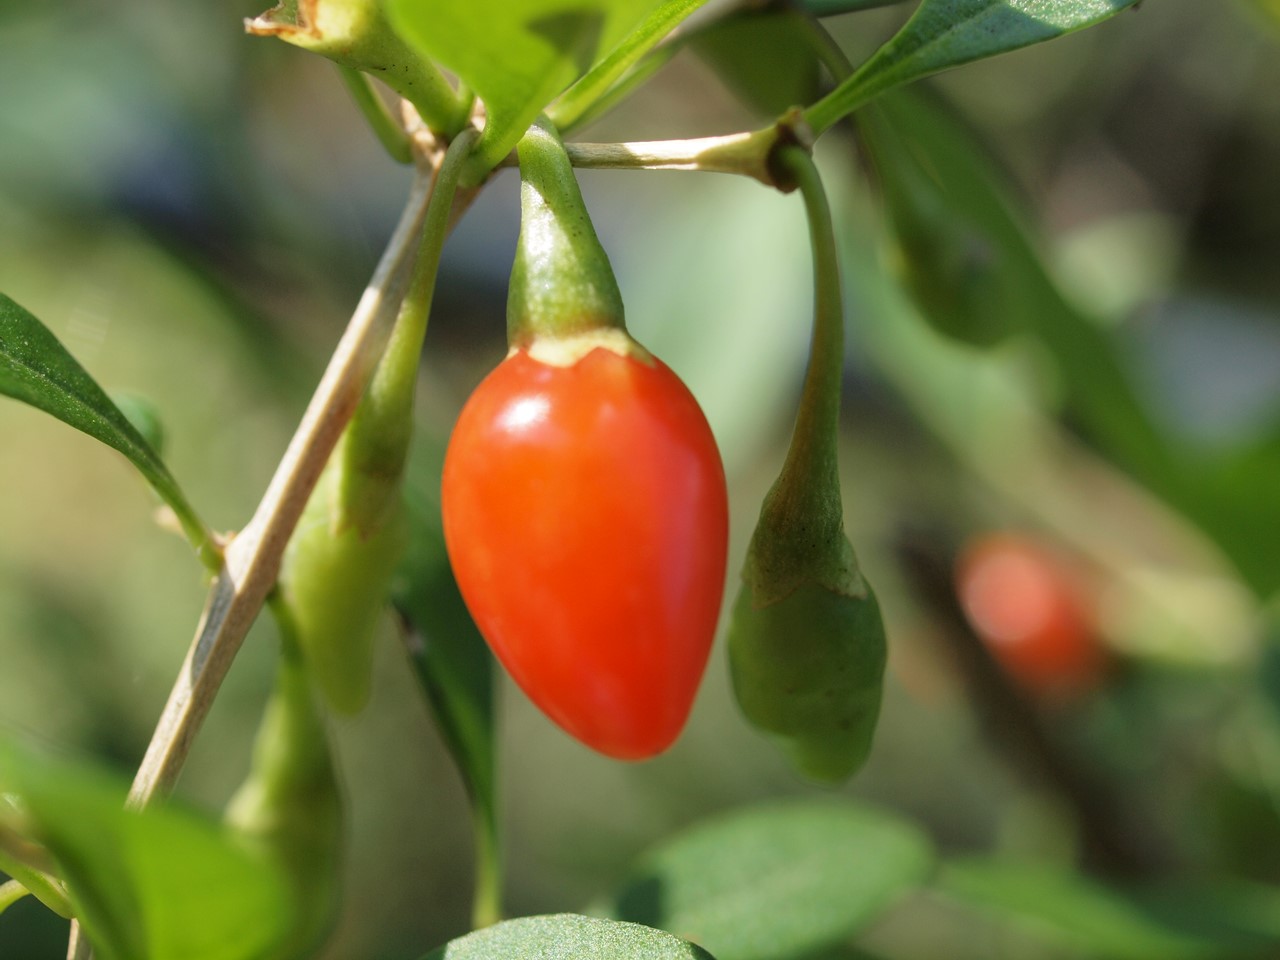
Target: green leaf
(953,242)
(40,885)
(36,369)
(830,8)
(144,416)
(578,100)
(765,57)
(450,658)
(515,54)
(1233,499)
(1270,8)
(289,808)
(1170,921)
(1007,275)
(11,891)
(947,33)
(777,882)
(566,936)
(164,882)
(948,201)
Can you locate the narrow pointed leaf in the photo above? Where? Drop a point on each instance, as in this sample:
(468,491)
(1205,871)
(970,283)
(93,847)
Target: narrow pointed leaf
(924,150)
(583,95)
(947,33)
(36,369)
(452,664)
(831,8)
(164,882)
(11,891)
(1170,921)
(568,937)
(515,54)
(450,658)
(776,882)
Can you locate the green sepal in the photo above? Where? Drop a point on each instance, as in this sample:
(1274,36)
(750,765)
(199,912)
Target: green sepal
(335,579)
(562,284)
(289,808)
(799,538)
(356,34)
(336,574)
(369,462)
(807,655)
(807,644)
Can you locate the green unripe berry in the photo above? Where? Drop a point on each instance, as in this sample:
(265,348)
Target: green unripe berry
(807,669)
(290,807)
(335,579)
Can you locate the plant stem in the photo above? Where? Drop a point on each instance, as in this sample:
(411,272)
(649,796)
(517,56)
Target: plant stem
(844,100)
(746,154)
(812,457)
(376,443)
(11,891)
(582,96)
(825,47)
(486,904)
(253,557)
(32,868)
(194,529)
(385,126)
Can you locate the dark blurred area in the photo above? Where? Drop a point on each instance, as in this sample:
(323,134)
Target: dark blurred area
(194,212)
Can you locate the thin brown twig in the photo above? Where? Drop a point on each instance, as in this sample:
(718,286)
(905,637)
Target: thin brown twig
(253,556)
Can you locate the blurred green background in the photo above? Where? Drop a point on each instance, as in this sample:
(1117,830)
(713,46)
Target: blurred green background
(194,213)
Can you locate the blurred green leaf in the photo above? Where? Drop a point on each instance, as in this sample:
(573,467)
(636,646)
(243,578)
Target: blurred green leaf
(977,275)
(450,658)
(515,54)
(1003,272)
(776,882)
(1234,499)
(568,937)
(953,242)
(1269,7)
(947,33)
(36,369)
(45,888)
(11,891)
(1269,669)
(580,99)
(163,882)
(145,418)
(289,808)
(1170,922)
(830,8)
(766,58)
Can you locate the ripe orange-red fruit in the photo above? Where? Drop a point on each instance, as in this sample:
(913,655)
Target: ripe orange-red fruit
(586,518)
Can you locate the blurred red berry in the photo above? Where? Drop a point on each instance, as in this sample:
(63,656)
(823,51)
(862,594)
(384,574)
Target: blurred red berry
(1031,611)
